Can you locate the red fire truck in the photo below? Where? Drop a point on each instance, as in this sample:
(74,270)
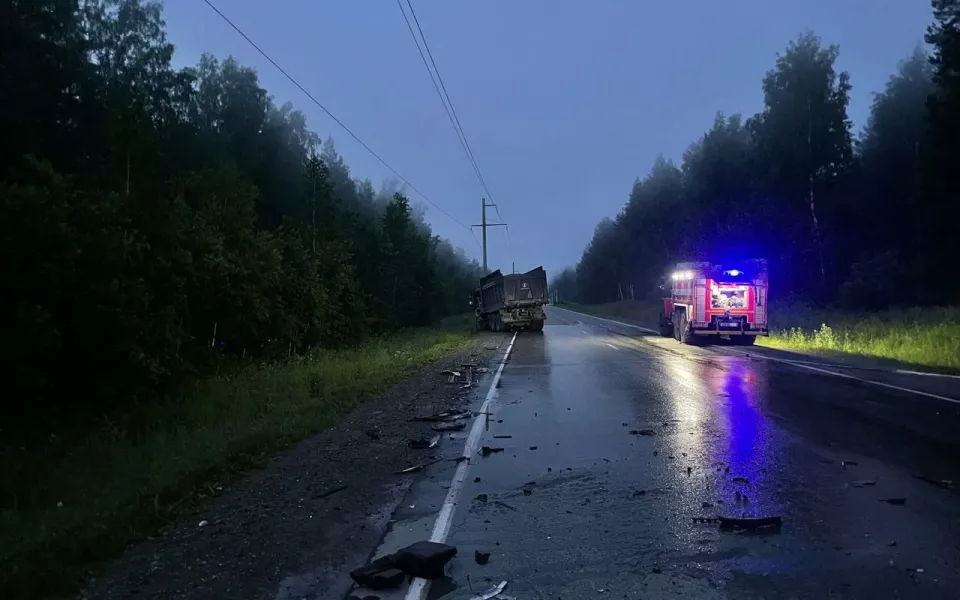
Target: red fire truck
(707,299)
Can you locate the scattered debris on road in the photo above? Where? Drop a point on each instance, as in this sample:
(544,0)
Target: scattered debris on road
(493,592)
(533,447)
(456,426)
(447,415)
(424,443)
(894,501)
(741,480)
(502,437)
(863,483)
(476,480)
(946,484)
(482,558)
(706,505)
(637,493)
(487,450)
(646,432)
(373,434)
(750,523)
(332,491)
(380,574)
(424,559)
(482,498)
(416,468)
(505,505)
(450,372)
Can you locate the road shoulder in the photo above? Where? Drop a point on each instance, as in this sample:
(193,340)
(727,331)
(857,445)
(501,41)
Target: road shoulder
(297,527)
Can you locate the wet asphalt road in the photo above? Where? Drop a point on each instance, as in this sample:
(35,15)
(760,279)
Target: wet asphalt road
(578,507)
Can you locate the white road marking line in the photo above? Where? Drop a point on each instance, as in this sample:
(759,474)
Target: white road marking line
(608,320)
(611,345)
(441,528)
(925,374)
(845,376)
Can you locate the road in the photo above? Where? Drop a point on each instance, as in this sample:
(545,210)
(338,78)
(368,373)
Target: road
(577,506)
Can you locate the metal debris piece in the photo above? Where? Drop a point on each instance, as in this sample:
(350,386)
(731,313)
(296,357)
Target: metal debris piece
(487,450)
(482,558)
(894,501)
(434,441)
(416,468)
(450,372)
(647,432)
(750,524)
(863,483)
(505,505)
(946,484)
(455,426)
(493,592)
(481,498)
(332,491)
(502,437)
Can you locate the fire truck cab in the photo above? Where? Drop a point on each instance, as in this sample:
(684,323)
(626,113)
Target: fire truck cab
(703,299)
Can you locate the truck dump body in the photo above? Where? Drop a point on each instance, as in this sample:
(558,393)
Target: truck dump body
(512,301)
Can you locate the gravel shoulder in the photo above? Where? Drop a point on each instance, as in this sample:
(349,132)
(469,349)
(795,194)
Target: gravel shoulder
(312,514)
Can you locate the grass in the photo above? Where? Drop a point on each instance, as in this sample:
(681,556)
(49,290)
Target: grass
(83,496)
(924,337)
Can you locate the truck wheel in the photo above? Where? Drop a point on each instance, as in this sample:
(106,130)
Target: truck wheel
(536,326)
(684,335)
(666,327)
(745,340)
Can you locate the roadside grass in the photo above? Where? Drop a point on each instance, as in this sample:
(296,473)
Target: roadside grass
(82,496)
(925,337)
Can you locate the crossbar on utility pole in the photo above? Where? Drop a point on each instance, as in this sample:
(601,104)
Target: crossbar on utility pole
(483,225)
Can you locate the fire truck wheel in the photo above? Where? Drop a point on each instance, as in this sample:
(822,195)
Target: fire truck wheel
(746,340)
(666,327)
(684,336)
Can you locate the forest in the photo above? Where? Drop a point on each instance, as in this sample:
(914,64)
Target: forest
(860,221)
(156,222)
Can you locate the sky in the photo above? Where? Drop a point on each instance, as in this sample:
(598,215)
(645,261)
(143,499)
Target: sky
(564,103)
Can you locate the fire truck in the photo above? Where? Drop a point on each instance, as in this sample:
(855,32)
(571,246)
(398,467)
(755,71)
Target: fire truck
(705,300)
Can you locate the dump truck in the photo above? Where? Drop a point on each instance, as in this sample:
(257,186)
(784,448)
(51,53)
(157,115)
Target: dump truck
(704,300)
(505,302)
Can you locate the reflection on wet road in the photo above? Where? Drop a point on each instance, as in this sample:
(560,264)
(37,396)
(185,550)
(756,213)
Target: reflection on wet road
(613,446)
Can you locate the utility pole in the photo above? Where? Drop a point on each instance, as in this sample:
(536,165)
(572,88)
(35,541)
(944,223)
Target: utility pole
(483,225)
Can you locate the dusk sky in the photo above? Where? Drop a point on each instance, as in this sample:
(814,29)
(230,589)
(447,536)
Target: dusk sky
(564,103)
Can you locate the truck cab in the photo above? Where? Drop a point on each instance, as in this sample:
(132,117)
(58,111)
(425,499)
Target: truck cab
(704,300)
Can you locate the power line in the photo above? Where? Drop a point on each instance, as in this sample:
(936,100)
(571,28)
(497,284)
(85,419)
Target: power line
(442,93)
(329,114)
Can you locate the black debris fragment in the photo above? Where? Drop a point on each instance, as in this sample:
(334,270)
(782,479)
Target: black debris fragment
(487,450)
(689,470)
(373,434)
(637,493)
(454,426)
(332,491)
(741,480)
(481,498)
(533,447)
(706,505)
(946,484)
(502,437)
(657,570)
(894,501)
(505,505)
(647,432)
(482,558)
(381,574)
(424,559)
(655,452)
(863,483)
(476,480)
